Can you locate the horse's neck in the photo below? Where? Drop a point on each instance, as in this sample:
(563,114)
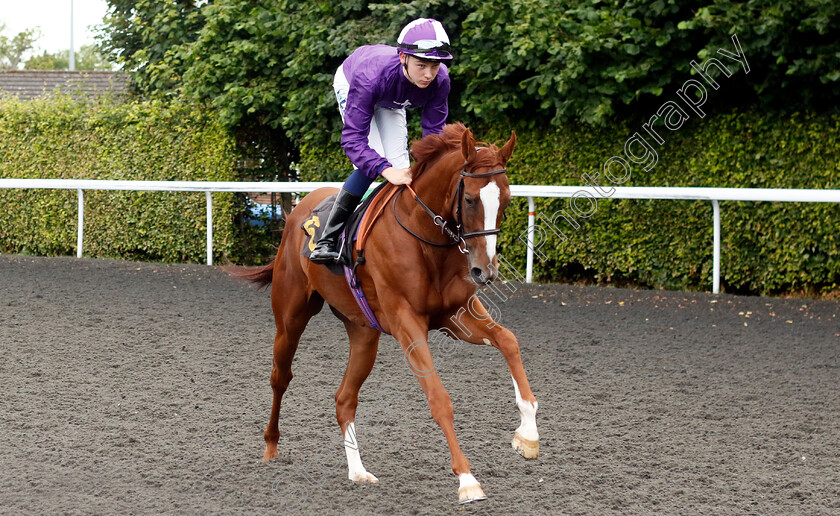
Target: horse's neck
(435,186)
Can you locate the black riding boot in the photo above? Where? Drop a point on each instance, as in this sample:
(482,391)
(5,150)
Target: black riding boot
(325,251)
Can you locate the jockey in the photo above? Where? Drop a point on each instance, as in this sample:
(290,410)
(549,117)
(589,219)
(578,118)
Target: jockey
(374,87)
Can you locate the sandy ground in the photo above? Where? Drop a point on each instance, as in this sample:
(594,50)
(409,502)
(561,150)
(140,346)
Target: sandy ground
(143,388)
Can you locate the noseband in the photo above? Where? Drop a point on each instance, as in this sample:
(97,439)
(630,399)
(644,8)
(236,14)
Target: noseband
(456,236)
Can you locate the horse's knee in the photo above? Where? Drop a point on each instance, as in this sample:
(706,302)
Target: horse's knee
(280,379)
(441,408)
(511,353)
(505,341)
(344,399)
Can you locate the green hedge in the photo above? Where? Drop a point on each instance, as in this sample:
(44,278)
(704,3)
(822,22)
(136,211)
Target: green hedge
(767,248)
(58,137)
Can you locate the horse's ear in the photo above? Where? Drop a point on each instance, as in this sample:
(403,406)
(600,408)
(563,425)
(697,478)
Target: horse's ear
(507,150)
(468,146)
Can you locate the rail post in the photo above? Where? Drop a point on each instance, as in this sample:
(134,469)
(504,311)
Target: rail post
(529,263)
(716,248)
(80,235)
(209,227)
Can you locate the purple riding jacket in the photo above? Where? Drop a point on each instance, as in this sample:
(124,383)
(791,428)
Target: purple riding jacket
(376,79)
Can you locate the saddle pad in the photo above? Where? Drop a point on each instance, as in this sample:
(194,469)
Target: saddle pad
(313,226)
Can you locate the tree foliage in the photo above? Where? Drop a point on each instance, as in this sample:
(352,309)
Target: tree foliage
(274,62)
(88,57)
(13,49)
(266,67)
(795,46)
(149,38)
(547,61)
(592,59)
(570,59)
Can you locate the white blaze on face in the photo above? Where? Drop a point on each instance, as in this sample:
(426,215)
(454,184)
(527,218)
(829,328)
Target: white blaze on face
(490,199)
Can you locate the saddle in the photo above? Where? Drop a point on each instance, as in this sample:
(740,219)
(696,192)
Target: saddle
(353,238)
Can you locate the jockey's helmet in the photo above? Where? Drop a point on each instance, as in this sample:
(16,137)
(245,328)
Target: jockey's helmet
(426,39)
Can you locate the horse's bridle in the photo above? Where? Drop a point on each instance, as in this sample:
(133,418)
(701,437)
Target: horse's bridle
(456,237)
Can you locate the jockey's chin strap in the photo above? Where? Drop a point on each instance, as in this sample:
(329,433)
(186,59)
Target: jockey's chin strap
(456,236)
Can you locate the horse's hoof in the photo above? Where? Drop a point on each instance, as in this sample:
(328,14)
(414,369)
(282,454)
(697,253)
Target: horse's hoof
(469,489)
(270,453)
(526,448)
(363,477)
(472,493)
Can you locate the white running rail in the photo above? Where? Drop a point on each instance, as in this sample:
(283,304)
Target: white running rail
(530,191)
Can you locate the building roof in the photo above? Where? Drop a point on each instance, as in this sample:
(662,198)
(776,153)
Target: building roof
(29,84)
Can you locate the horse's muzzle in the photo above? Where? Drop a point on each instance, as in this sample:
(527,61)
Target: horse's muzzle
(480,277)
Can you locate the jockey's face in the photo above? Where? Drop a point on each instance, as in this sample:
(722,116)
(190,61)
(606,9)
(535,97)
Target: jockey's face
(418,72)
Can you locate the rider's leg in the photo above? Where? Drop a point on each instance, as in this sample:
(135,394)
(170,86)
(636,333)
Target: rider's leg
(345,203)
(351,192)
(392,133)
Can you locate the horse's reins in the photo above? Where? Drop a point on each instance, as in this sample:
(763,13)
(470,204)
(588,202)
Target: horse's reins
(457,237)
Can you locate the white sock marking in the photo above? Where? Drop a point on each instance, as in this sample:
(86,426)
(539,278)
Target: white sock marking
(466,479)
(356,471)
(528,416)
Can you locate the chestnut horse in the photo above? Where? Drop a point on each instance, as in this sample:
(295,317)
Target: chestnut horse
(413,283)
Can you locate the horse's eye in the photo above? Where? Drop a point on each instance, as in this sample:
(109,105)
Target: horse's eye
(469,202)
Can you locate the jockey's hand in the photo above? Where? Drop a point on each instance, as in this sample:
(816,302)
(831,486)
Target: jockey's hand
(397,176)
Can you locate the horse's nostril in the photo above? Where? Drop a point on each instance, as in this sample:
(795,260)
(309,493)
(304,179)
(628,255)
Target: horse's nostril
(478,274)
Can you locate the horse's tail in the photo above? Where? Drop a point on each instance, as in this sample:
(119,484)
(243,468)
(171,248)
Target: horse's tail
(259,275)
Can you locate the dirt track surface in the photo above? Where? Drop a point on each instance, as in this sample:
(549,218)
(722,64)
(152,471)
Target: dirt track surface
(143,388)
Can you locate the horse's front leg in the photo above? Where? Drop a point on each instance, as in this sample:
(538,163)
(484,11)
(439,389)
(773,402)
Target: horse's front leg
(526,439)
(412,333)
(474,324)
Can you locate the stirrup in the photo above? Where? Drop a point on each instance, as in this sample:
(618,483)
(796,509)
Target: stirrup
(324,254)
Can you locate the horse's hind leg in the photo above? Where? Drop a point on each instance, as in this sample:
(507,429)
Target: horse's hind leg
(292,311)
(364,343)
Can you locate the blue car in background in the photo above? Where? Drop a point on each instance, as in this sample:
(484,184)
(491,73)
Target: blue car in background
(263,214)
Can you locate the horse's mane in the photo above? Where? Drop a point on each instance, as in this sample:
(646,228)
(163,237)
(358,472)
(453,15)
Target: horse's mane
(432,147)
